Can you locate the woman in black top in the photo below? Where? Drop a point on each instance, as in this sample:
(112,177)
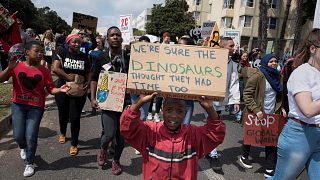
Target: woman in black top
(67,63)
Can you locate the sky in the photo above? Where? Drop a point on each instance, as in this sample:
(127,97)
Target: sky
(107,11)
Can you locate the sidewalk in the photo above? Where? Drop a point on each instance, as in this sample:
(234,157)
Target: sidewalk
(5,122)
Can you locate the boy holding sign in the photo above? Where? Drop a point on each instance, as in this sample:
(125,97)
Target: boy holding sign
(171,150)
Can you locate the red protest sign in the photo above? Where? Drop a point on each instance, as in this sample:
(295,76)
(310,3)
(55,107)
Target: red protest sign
(263,132)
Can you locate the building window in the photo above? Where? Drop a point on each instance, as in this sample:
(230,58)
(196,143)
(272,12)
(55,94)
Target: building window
(248,3)
(245,21)
(229,4)
(272,23)
(197,2)
(196,15)
(226,22)
(273,4)
(148,18)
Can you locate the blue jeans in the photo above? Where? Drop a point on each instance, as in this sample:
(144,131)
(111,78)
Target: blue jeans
(298,147)
(25,123)
(189,108)
(143,109)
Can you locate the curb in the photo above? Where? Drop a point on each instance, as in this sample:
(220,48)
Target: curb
(5,123)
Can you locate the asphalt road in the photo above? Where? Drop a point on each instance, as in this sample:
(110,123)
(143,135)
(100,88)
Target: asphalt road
(53,160)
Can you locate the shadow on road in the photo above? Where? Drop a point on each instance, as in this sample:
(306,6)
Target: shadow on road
(45,132)
(65,163)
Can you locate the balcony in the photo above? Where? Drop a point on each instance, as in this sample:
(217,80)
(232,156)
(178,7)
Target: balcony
(245,10)
(227,12)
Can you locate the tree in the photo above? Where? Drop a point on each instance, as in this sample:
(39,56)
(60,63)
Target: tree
(305,11)
(173,17)
(263,19)
(281,42)
(137,32)
(40,19)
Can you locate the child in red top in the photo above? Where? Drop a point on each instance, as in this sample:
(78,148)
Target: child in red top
(170,149)
(29,80)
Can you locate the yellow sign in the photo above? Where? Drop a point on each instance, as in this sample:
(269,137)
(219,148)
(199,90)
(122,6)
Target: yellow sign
(214,37)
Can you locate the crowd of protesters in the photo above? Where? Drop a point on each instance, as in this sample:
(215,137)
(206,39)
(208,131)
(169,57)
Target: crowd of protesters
(79,58)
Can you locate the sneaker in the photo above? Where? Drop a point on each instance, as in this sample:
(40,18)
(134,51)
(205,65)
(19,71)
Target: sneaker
(156,117)
(116,168)
(149,117)
(245,162)
(101,157)
(215,163)
(136,152)
(269,173)
(28,171)
(23,154)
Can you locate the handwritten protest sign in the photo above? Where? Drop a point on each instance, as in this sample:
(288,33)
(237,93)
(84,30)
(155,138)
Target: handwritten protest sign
(5,19)
(49,47)
(176,71)
(125,24)
(263,132)
(214,37)
(111,90)
(82,21)
(207,29)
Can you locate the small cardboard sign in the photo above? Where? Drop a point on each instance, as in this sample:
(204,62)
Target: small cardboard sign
(125,25)
(185,72)
(207,29)
(82,21)
(111,90)
(49,47)
(263,132)
(5,19)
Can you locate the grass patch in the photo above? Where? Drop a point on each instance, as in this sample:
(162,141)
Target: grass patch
(5,99)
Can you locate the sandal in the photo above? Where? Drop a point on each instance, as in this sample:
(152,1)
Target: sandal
(73,150)
(62,139)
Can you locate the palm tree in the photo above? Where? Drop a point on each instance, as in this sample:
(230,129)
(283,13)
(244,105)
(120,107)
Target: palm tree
(281,41)
(263,19)
(298,24)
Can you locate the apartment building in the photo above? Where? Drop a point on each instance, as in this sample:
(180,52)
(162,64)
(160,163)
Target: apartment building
(200,10)
(141,20)
(243,15)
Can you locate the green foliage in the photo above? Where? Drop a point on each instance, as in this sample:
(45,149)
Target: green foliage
(308,9)
(137,32)
(39,19)
(173,18)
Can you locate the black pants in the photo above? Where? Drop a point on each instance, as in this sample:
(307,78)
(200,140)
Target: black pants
(271,155)
(111,129)
(158,104)
(70,110)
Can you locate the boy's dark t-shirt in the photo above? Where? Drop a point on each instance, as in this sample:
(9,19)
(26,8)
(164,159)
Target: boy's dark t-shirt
(118,64)
(72,63)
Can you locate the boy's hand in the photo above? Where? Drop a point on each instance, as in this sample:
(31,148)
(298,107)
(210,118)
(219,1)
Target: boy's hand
(208,106)
(206,103)
(144,99)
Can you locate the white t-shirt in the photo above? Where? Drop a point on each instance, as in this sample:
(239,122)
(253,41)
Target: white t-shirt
(269,99)
(304,78)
